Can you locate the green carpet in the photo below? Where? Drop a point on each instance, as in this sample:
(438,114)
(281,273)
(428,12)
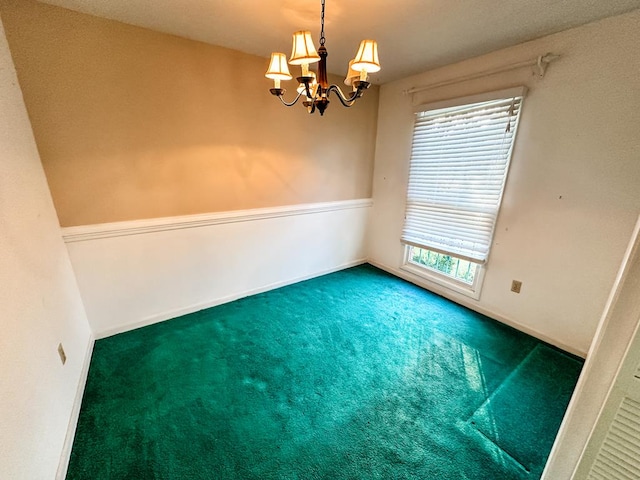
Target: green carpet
(353,375)
(506,426)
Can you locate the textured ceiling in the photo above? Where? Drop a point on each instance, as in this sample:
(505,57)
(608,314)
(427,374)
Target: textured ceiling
(413,35)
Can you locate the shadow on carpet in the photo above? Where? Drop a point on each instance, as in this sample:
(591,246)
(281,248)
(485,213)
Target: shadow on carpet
(353,375)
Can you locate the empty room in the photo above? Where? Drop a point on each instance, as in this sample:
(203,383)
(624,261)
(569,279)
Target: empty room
(320,239)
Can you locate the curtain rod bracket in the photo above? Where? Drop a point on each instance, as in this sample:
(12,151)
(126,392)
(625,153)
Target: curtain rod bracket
(544,61)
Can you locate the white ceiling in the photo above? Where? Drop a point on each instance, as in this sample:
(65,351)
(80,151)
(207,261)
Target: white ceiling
(413,35)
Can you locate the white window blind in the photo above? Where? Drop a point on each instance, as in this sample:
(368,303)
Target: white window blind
(459,162)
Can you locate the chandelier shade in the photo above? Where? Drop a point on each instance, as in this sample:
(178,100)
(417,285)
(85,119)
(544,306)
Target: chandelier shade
(367,57)
(278,69)
(304,51)
(352,75)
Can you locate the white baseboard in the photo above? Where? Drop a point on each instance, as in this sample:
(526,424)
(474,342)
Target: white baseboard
(170,314)
(484,311)
(65,456)
(160,317)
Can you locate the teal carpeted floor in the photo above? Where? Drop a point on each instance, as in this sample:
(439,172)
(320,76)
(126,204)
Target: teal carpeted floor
(354,375)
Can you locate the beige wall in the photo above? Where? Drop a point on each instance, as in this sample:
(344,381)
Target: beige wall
(135,124)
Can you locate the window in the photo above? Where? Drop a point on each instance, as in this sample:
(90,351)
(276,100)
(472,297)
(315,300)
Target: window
(459,162)
(461,270)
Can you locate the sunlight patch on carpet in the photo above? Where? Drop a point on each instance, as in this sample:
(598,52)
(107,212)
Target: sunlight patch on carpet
(523,415)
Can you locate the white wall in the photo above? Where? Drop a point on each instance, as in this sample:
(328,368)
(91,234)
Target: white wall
(573,192)
(39,301)
(608,357)
(136,273)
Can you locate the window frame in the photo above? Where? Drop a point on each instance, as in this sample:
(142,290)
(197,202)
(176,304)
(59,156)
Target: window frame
(472,290)
(431,275)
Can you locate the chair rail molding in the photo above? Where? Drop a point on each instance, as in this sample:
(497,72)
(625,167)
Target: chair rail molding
(136,227)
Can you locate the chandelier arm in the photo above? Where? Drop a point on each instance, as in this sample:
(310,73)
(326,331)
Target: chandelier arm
(347,102)
(295,100)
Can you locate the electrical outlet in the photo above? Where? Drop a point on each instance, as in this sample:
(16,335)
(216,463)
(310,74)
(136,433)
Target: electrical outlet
(516,285)
(63,356)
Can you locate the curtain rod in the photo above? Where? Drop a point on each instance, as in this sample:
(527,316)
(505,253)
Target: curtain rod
(541,62)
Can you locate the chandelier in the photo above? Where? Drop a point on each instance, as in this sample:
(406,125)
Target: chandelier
(314,85)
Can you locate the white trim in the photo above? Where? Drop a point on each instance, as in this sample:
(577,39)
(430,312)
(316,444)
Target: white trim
(171,314)
(137,227)
(478,98)
(443,292)
(431,275)
(608,398)
(65,456)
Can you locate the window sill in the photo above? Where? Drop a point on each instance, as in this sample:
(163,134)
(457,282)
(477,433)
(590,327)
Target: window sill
(471,291)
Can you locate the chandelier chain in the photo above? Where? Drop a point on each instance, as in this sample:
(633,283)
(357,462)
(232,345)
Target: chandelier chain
(322,39)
